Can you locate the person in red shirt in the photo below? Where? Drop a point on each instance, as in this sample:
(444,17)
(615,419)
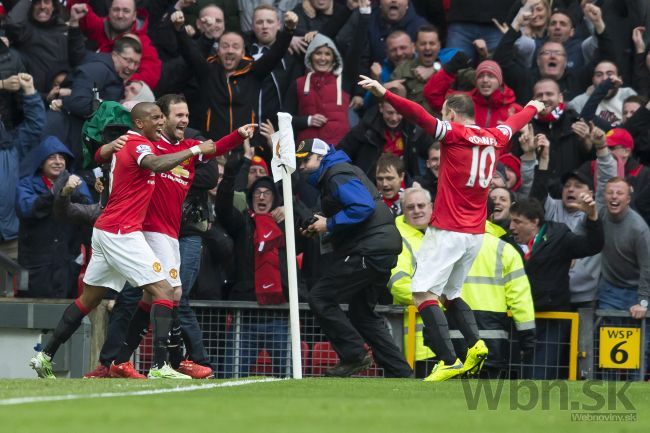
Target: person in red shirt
(452,241)
(122,18)
(119,250)
(161,228)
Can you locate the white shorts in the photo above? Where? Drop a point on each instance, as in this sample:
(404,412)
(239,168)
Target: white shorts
(443,261)
(118,258)
(167,250)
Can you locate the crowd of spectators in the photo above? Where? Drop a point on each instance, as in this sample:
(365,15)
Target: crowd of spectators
(235,62)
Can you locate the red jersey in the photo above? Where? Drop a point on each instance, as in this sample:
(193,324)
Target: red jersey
(131,187)
(468,155)
(166,206)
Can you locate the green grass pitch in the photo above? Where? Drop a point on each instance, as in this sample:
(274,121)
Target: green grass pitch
(310,405)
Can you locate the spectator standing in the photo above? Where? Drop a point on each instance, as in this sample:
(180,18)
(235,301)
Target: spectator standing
(381,130)
(122,18)
(261,271)
(430,58)
(417,206)
(47,247)
(550,248)
(494,102)
(365,244)
(14,145)
(569,147)
(231,73)
(625,280)
(37,30)
(610,108)
(390,181)
(391,15)
(321,98)
(102,78)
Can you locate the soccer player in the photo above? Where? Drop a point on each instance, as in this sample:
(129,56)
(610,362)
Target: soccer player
(161,228)
(119,249)
(452,241)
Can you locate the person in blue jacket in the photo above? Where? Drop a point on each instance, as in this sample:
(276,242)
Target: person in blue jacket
(14,145)
(47,246)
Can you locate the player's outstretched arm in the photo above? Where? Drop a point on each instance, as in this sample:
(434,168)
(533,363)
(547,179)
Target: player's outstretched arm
(234,139)
(159,164)
(413,112)
(521,119)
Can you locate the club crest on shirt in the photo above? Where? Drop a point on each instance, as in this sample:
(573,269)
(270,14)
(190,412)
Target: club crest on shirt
(180,171)
(142,148)
(157,267)
(173,273)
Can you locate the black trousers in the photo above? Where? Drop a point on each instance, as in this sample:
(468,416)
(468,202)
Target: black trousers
(351,280)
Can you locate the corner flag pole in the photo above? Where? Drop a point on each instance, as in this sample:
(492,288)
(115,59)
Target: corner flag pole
(282,165)
(293,276)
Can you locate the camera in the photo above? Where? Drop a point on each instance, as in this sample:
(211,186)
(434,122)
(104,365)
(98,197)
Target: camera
(307,222)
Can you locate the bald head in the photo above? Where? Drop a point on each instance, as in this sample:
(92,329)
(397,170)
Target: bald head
(142,110)
(148,120)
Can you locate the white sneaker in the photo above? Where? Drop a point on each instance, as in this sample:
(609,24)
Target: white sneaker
(166,372)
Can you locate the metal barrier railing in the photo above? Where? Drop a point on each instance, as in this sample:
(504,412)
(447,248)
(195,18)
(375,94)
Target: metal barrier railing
(553,329)
(246,339)
(618,346)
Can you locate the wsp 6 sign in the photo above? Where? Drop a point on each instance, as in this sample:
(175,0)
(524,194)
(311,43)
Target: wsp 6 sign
(619,347)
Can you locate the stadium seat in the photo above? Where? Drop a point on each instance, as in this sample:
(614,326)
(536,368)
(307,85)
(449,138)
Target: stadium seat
(264,364)
(322,358)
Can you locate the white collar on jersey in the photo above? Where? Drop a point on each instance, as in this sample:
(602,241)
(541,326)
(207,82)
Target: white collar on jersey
(130,131)
(167,140)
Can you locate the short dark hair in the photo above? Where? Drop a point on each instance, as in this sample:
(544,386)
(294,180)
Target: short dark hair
(427,28)
(530,208)
(387,160)
(641,100)
(125,42)
(169,99)
(461,104)
(564,12)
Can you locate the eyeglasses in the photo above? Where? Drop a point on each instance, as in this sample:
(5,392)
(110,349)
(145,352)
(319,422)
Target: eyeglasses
(129,61)
(260,194)
(552,52)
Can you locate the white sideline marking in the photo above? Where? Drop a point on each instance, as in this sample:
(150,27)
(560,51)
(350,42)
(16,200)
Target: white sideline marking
(24,400)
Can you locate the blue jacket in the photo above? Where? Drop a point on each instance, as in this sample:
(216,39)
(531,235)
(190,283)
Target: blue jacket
(357,203)
(358,220)
(14,145)
(31,187)
(47,246)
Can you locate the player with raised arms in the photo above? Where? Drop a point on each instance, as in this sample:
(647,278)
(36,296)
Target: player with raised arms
(468,154)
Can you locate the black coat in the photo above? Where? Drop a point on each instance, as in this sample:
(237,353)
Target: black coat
(567,153)
(365,142)
(548,265)
(43,46)
(98,72)
(232,101)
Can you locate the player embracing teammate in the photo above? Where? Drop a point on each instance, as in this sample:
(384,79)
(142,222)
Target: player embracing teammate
(468,154)
(120,251)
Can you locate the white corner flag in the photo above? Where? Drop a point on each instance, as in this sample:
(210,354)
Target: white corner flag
(284,148)
(282,165)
